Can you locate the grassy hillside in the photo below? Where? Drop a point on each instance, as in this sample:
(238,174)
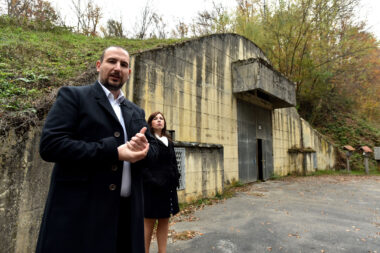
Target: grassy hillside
(35,63)
(343,127)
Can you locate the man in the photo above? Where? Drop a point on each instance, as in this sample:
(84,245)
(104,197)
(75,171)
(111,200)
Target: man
(95,198)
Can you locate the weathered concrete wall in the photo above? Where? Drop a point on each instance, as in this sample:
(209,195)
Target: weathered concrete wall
(297,147)
(286,134)
(325,152)
(204,171)
(24,182)
(191,84)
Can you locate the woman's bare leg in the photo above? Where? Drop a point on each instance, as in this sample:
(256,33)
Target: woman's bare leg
(148,231)
(162,234)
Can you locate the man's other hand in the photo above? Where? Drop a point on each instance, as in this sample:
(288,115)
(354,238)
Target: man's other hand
(136,149)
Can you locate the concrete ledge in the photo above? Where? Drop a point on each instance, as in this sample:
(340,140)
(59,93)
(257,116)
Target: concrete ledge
(258,77)
(195,145)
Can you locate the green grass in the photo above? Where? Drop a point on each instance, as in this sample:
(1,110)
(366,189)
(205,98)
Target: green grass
(32,62)
(346,128)
(36,59)
(372,171)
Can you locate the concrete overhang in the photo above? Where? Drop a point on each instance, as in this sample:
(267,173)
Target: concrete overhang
(257,77)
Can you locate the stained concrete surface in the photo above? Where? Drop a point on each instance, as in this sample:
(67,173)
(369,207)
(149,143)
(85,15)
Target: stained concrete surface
(306,214)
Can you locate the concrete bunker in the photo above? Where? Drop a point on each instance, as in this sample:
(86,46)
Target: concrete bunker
(221,90)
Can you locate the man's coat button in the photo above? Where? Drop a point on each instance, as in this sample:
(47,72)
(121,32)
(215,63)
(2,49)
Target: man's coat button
(112,187)
(116,134)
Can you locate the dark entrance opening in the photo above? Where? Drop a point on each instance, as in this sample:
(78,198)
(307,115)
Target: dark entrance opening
(259,159)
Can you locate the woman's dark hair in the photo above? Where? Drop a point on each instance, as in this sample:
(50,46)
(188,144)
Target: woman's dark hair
(150,119)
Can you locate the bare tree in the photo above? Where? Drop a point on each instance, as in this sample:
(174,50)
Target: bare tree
(19,8)
(181,30)
(43,12)
(202,24)
(88,18)
(222,22)
(77,8)
(215,21)
(160,27)
(142,26)
(93,15)
(37,10)
(114,29)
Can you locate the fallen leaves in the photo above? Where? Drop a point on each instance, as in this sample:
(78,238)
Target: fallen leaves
(256,194)
(185,214)
(183,235)
(296,235)
(233,229)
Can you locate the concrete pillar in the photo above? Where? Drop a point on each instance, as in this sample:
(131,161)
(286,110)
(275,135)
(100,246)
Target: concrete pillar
(348,164)
(366,164)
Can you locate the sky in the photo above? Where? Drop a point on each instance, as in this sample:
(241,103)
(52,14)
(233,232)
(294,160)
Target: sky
(171,10)
(185,10)
(370,11)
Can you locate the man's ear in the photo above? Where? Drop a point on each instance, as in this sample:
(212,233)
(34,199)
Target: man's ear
(130,70)
(98,65)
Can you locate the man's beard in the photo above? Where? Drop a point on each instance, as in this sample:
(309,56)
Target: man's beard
(111,87)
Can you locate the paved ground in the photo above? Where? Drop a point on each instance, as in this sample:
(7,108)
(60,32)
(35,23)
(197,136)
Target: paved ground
(306,214)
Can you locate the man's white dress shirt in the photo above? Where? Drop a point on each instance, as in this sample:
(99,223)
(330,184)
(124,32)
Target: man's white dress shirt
(125,190)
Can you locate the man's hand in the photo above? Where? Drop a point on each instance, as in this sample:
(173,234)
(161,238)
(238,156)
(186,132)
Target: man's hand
(139,141)
(136,149)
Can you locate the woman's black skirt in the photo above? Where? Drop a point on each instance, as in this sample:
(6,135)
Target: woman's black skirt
(159,202)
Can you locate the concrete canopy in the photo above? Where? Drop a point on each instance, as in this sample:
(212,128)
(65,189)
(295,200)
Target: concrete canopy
(256,77)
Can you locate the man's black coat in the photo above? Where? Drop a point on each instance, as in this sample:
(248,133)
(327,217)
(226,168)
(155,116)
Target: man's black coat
(81,136)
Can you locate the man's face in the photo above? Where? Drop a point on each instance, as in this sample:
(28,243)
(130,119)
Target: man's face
(114,69)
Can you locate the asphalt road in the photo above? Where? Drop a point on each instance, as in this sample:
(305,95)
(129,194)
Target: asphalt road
(306,214)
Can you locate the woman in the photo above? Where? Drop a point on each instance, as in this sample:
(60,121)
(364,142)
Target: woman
(160,184)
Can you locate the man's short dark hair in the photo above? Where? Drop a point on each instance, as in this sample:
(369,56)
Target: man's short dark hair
(104,52)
